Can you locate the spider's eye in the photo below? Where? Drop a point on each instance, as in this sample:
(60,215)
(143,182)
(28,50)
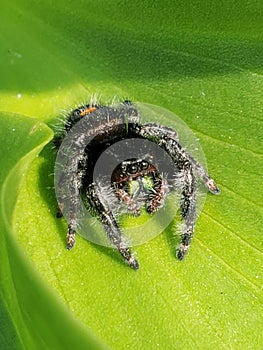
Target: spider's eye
(133,169)
(144,165)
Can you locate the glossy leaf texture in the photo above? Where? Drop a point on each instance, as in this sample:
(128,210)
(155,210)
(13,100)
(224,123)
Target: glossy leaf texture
(202,61)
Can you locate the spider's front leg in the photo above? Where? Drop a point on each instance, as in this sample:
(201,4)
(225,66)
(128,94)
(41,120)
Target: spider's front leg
(188,209)
(168,139)
(207,180)
(188,189)
(100,206)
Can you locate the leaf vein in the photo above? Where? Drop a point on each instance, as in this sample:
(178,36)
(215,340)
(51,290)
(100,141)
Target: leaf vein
(234,234)
(229,267)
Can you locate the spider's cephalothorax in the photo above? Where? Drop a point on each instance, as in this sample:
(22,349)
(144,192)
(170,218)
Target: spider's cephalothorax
(134,181)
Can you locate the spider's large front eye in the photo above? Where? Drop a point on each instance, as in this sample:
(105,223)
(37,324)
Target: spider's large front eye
(133,169)
(144,165)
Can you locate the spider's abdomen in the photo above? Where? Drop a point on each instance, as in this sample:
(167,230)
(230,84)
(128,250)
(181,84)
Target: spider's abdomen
(105,121)
(95,128)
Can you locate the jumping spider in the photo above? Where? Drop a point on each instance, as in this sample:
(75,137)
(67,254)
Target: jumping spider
(132,179)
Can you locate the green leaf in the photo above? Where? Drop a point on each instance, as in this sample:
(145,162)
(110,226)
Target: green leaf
(31,315)
(201,60)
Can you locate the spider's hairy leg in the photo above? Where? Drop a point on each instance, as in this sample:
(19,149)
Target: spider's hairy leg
(101,207)
(208,181)
(161,134)
(71,180)
(159,191)
(154,132)
(189,188)
(188,209)
(169,142)
(189,193)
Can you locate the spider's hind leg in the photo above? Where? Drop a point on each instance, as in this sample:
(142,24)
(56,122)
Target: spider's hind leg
(100,206)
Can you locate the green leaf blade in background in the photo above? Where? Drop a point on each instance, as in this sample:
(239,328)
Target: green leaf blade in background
(26,302)
(201,60)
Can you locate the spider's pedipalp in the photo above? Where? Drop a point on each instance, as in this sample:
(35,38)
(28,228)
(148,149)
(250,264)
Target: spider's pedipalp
(159,192)
(132,206)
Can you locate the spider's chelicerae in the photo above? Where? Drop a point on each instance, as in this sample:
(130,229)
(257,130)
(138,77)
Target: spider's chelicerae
(135,182)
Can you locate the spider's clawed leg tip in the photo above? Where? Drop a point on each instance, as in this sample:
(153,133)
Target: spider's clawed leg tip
(181,253)
(150,210)
(70,239)
(213,188)
(134,264)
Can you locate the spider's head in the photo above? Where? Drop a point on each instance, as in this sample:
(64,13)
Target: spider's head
(135,175)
